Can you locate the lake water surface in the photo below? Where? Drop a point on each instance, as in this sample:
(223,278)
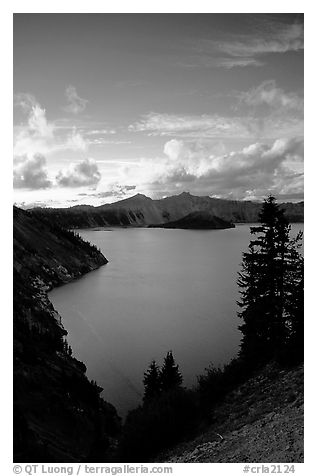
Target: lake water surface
(161,290)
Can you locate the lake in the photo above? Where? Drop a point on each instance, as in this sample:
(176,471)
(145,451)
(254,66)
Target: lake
(161,290)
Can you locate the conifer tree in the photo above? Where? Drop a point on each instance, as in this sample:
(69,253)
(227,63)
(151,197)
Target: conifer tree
(171,378)
(295,301)
(152,382)
(269,270)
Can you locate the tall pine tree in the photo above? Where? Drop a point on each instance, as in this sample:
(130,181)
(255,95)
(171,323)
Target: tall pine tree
(269,270)
(295,302)
(152,382)
(171,378)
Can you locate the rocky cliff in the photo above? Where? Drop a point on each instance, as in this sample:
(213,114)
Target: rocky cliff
(143,211)
(59,415)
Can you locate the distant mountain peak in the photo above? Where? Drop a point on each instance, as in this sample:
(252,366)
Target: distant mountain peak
(141,196)
(135,198)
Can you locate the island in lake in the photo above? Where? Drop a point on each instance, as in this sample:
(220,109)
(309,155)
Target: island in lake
(200,220)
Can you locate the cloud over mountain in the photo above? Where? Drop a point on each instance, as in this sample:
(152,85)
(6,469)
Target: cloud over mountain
(250,172)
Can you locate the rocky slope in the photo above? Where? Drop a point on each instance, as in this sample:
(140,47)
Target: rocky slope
(142,211)
(58,413)
(261,421)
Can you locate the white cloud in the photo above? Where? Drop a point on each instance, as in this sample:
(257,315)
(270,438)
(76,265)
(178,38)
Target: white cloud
(219,62)
(101,132)
(79,174)
(258,168)
(229,63)
(280,38)
(103,141)
(75,141)
(31,143)
(30,173)
(76,104)
(200,168)
(269,94)
(114,191)
(40,136)
(191,126)
(218,127)
(25,101)
(38,123)
(248,49)
(37,134)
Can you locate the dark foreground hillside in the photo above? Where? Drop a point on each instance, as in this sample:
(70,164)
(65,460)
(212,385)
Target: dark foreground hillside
(58,413)
(260,421)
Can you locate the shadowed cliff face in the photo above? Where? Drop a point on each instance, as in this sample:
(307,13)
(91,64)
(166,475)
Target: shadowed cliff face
(58,414)
(143,211)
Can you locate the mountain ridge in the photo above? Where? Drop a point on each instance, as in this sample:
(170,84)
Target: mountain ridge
(140,210)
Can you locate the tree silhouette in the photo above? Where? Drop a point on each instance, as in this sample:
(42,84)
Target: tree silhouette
(270,269)
(295,301)
(171,378)
(152,382)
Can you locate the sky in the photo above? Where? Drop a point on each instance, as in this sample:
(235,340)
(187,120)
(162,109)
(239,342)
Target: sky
(110,105)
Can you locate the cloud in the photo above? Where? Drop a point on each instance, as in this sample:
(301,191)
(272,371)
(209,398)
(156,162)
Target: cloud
(218,127)
(25,101)
(30,173)
(33,137)
(103,141)
(38,125)
(40,136)
(269,94)
(219,62)
(76,104)
(79,174)
(37,135)
(115,190)
(251,171)
(229,63)
(279,38)
(191,126)
(266,36)
(35,204)
(31,143)
(101,132)
(75,141)
(199,167)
